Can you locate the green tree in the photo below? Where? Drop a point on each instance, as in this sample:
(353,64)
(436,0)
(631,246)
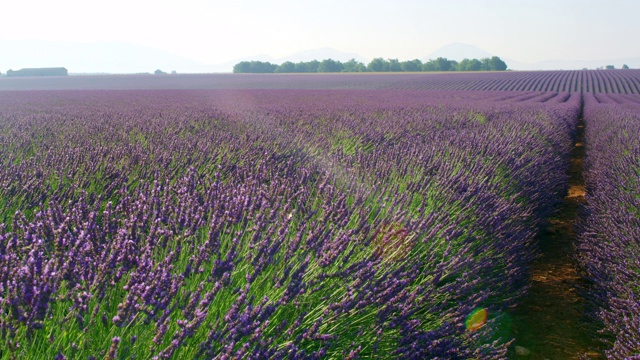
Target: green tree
(462,65)
(254,67)
(474,65)
(378,65)
(429,66)
(625,66)
(264,67)
(393,65)
(330,65)
(286,67)
(242,67)
(312,66)
(485,64)
(609,67)
(440,64)
(301,67)
(411,65)
(354,66)
(496,64)
(470,65)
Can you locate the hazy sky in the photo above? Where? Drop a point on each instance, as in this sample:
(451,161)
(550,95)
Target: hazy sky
(215,31)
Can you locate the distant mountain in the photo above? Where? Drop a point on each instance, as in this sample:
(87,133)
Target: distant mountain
(322,54)
(633,63)
(459,51)
(305,55)
(123,58)
(98,57)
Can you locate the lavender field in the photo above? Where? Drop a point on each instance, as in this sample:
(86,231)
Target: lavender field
(609,248)
(581,81)
(366,216)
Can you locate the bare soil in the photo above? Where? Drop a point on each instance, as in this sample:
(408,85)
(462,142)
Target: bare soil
(550,321)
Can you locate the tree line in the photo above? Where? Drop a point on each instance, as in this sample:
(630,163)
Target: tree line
(376,65)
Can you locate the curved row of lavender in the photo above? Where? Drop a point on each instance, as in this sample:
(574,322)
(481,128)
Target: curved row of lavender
(272,224)
(609,246)
(580,81)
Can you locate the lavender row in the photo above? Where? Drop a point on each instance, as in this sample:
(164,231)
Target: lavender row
(272,224)
(609,247)
(575,81)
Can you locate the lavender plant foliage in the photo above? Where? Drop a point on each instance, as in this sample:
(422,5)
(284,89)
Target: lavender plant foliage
(573,81)
(610,235)
(272,223)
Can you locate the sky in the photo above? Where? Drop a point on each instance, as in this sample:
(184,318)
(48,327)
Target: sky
(212,31)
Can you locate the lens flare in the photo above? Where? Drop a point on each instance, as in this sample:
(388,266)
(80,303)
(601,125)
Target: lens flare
(393,242)
(476,319)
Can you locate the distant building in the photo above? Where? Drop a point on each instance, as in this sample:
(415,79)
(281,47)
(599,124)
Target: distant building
(58,71)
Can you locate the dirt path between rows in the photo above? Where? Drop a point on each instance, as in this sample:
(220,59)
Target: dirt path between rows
(549,323)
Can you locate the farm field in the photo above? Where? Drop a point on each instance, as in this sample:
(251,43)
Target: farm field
(582,81)
(608,245)
(304,216)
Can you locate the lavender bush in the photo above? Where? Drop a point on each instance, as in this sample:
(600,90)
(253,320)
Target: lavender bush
(272,224)
(610,238)
(572,81)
